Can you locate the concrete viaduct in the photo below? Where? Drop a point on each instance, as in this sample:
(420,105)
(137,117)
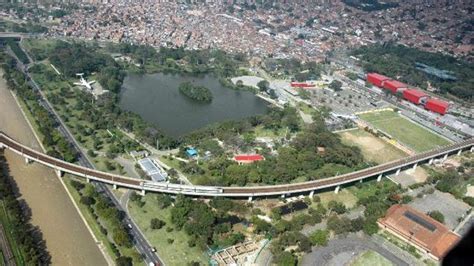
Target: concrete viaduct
(236,192)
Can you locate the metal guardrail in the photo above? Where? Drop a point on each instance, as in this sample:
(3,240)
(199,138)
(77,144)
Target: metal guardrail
(256,191)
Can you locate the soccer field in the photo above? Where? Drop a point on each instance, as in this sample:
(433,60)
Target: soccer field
(408,133)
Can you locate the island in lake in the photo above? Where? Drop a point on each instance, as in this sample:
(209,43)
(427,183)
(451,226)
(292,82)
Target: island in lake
(198,93)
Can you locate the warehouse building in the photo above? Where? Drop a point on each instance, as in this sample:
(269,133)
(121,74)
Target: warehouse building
(437,106)
(415,96)
(419,230)
(376,79)
(394,86)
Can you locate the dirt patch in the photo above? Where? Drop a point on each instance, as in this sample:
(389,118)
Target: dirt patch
(470,191)
(410,177)
(373,148)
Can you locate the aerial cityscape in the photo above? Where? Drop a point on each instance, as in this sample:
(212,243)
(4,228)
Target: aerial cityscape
(236,132)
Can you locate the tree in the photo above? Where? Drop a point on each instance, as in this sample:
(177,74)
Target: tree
(123,261)
(156,223)
(336,85)
(437,215)
(319,238)
(87,200)
(337,207)
(263,85)
(339,225)
(285,259)
(121,237)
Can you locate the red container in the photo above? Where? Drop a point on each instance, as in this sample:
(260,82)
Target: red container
(394,85)
(376,79)
(414,96)
(437,106)
(301,85)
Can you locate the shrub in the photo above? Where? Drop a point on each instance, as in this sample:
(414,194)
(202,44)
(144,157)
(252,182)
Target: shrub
(437,215)
(319,238)
(156,223)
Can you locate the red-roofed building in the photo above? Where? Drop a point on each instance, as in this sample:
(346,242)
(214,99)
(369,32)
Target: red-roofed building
(419,229)
(302,85)
(376,79)
(394,85)
(415,96)
(437,106)
(248,158)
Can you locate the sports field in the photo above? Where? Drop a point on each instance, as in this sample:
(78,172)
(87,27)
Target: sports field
(408,133)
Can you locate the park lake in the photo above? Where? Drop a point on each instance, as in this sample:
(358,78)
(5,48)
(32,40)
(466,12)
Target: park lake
(156,98)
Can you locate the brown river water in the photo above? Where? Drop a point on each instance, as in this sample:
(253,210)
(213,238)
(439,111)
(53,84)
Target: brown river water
(67,238)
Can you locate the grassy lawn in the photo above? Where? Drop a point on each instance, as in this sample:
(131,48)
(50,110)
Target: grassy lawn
(405,131)
(178,253)
(373,149)
(268,133)
(369,258)
(306,108)
(370,188)
(344,196)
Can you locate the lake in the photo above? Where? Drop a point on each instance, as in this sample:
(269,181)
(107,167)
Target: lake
(156,98)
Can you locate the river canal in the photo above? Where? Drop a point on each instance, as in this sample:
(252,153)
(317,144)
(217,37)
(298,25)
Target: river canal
(67,238)
(156,98)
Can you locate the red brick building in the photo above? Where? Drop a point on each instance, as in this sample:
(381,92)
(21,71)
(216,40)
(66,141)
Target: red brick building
(419,229)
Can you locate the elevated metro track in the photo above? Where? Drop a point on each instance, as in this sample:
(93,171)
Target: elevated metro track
(212,191)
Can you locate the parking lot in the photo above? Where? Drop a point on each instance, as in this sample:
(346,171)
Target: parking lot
(348,101)
(450,207)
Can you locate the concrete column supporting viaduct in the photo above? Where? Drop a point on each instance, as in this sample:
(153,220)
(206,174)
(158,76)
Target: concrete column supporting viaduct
(459,152)
(430,162)
(445,157)
(311,194)
(472,149)
(337,189)
(379,178)
(415,165)
(142,192)
(58,172)
(398,171)
(115,186)
(27,160)
(88,180)
(250,199)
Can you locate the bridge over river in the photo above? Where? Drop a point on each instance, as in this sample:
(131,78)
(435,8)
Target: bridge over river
(236,192)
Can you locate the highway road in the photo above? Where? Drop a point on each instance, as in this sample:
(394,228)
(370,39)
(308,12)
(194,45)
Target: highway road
(140,241)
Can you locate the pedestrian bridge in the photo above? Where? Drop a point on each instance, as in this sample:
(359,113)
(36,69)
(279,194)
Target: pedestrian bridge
(143,186)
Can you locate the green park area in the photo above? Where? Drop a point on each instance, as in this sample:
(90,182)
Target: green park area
(172,245)
(373,149)
(408,133)
(371,258)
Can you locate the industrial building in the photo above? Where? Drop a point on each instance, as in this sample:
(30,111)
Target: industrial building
(151,169)
(437,106)
(419,230)
(411,95)
(415,96)
(394,85)
(376,79)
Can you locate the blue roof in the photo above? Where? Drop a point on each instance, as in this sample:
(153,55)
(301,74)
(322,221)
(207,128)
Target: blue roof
(191,152)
